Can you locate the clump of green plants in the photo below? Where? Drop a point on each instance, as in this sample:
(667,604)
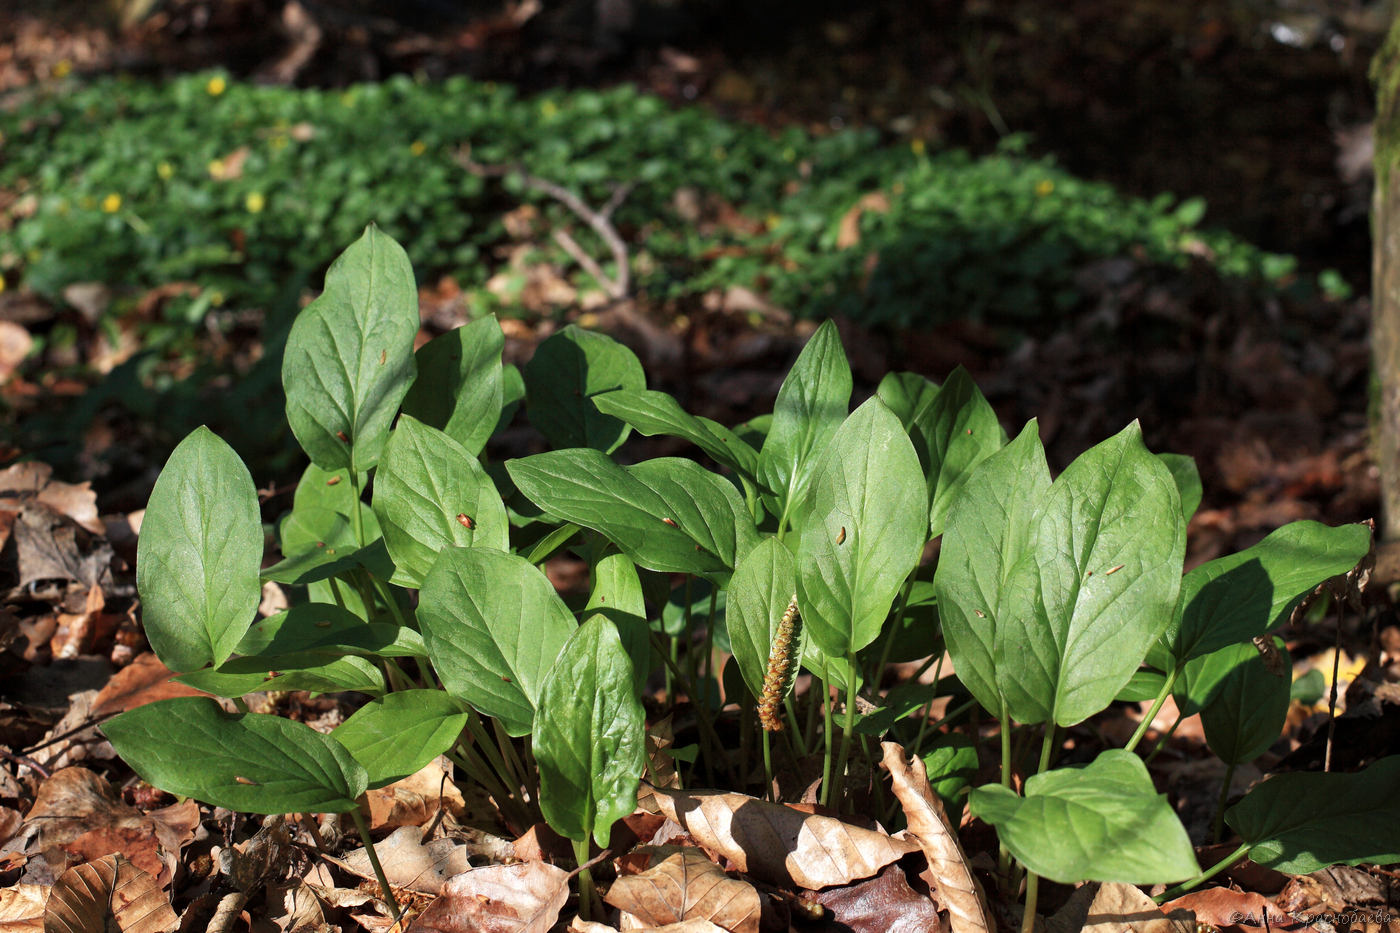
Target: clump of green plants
(419,569)
(244,189)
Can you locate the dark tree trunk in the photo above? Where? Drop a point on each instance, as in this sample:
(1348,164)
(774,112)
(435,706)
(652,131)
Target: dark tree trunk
(1385,300)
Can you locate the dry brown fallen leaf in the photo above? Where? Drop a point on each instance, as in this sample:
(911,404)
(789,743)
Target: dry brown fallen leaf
(883,904)
(77,817)
(949,873)
(22,908)
(1113,907)
(414,800)
(1225,907)
(521,898)
(144,680)
(681,883)
(410,863)
(108,895)
(778,844)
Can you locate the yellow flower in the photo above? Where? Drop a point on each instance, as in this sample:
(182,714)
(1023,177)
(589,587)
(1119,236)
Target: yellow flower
(255,202)
(216,86)
(165,170)
(216,168)
(418,148)
(1044,187)
(112,203)
(62,68)
(917,146)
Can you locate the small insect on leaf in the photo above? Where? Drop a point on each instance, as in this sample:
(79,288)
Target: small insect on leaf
(1268,650)
(1112,570)
(465,521)
(323,625)
(333,480)
(969,430)
(671,522)
(240,779)
(980,613)
(505,678)
(841,535)
(345,438)
(383,356)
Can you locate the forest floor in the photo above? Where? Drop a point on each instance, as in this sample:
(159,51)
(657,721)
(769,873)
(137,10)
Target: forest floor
(1259,107)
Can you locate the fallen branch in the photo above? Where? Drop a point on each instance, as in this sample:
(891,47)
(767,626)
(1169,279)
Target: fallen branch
(599,220)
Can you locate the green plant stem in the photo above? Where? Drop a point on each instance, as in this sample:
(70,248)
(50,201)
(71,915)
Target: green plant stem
(336,595)
(799,741)
(363,829)
(826,753)
(357,520)
(890,635)
(1162,695)
(849,728)
(767,767)
(811,727)
(707,728)
(1211,872)
(588,906)
(1162,742)
(691,666)
(1032,896)
(710,639)
(1047,748)
(939,724)
(491,753)
(1217,822)
(524,773)
(476,768)
(928,707)
(387,595)
(1003,853)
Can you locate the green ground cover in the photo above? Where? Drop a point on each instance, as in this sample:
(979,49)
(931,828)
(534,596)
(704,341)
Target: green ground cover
(246,190)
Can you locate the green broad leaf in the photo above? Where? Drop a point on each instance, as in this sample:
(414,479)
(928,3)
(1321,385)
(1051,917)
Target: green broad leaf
(862,532)
(493,625)
(312,671)
(459,388)
(989,530)
(915,634)
(1101,822)
(812,403)
(1299,823)
(320,544)
(198,555)
(1309,688)
(512,394)
(567,371)
(589,736)
(955,432)
(431,494)
(547,546)
(668,514)
(321,628)
(651,413)
(908,395)
(1188,481)
(1246,713)
(1143,685)
(952,766)
(399,734)
(245,762)
(617,594)
(833,671)
(759,593)
(1241,596)
(326,489)
(349,357)
(1097,586)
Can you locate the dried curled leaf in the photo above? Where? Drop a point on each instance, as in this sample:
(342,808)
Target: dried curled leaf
(521,898)
(957,888)
(682,884)
(109,894)
(778,844)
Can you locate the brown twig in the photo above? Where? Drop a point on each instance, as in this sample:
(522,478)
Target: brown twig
(599,220)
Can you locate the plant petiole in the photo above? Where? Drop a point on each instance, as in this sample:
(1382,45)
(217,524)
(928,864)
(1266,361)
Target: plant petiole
(363,829)
(1211,872)
(1162,695)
